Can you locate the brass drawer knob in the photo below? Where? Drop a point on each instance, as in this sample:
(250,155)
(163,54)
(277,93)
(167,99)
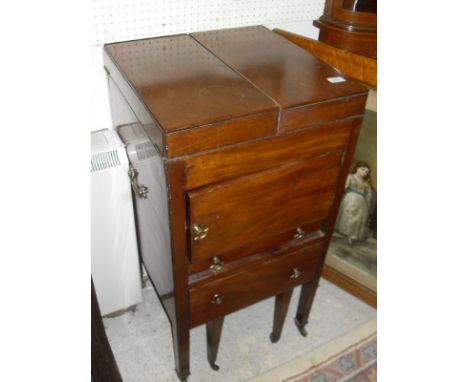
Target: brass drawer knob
(200,231)
(299,233)
(295,273)
(217,264)
(217,299)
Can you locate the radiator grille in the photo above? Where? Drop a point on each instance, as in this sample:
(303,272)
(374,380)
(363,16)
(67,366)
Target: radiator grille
(105,160)
(145,150)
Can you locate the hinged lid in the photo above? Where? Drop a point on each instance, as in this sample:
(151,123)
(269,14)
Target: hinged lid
(184,86)
(288,74)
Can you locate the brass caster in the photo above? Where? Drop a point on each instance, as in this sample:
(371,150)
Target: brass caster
(300,328)
(214,366)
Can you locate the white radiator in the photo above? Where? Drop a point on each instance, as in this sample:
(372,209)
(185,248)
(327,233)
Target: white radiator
(114,253)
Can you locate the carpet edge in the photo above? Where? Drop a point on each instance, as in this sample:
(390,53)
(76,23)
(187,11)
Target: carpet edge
(318,355)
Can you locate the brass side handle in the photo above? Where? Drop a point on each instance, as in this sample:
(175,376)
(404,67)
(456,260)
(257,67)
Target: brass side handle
(295,273)
(217,299)
(217,264)
(139,189)
(299,233)
(200,231)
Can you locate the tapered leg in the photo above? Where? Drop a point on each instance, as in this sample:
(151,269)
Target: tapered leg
(305,303)
(180,340)
(281,308)
(213,335)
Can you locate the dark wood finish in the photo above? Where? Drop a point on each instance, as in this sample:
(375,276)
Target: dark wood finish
(339,12)
(259,280)
(305,304)
(322,112)
(285,239)
(345,282)
(281,308)
(136,111)
(363,43)
(361,68)
(208,275)
(183,86)
(259,206)
(213,336)
(288,75)
(219,134)
(103,365)
(279,69)
(180,324)
(348,28)
(308,290)
(251,157)
(256,144)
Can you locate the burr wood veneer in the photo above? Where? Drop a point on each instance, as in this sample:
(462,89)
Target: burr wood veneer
(255,136)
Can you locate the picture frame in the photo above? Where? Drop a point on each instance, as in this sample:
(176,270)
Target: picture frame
(352,264)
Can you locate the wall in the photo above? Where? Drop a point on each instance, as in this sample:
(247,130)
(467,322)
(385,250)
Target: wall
(120,20)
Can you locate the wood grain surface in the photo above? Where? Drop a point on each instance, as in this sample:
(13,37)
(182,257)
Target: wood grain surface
(361,68)
(183,85)
(256,282)
(262,205)
(290,76)
(233,161)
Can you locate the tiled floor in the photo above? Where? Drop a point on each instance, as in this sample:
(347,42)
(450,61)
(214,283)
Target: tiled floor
(142,341)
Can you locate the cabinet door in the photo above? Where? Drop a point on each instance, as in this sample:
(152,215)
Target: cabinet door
(259,207)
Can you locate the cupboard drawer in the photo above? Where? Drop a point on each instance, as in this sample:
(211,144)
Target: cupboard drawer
(253,282)
(259,207)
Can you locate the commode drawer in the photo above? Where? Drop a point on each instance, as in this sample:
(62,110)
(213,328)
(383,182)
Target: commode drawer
(260,207)
(237,160)
(254,281)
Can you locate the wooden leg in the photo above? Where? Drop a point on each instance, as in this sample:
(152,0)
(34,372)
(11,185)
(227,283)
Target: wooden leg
(180,339)
(281,308)
(305,303)
(213,335)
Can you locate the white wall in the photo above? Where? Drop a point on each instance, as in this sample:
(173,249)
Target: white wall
(120,20)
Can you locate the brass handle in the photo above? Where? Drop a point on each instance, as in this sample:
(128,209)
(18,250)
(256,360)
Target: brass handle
(295,273)
(199,231)
(299,233)
(217,264)
(217,299)
(139,189)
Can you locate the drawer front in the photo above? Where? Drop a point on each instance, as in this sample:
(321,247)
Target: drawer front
(219,134)
(319,113)
(252,283)
(259,207)
(234,161)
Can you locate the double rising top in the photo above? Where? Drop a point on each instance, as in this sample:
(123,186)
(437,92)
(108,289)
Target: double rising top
(217,77)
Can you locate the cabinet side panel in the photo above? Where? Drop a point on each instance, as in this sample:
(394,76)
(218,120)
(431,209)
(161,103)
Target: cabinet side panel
(140,111)
(151,212)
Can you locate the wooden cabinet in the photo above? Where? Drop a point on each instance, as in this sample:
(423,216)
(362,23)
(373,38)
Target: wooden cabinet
(350,25)
(254,137)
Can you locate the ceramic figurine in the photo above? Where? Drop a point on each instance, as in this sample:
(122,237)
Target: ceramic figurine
(353,216)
